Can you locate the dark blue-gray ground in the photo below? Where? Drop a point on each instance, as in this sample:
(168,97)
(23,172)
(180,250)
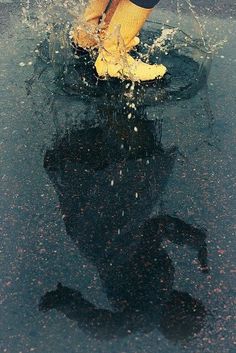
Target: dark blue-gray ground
(79,182)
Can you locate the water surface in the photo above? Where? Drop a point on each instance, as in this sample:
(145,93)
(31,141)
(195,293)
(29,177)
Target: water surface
(130,208)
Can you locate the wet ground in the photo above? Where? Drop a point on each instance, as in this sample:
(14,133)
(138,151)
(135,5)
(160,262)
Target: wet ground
(117,207)
(221,8)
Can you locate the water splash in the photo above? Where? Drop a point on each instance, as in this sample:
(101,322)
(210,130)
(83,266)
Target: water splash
(42,15)
(161,42)
(196,18)
(211,42)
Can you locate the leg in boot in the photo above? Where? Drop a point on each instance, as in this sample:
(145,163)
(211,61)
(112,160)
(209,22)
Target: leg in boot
(113,59)
(109,14)
(91,32)
(86,35)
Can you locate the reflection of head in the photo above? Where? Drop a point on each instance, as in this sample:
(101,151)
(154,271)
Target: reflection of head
(183,316)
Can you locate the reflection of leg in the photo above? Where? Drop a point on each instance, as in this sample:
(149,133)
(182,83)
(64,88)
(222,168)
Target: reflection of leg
(182,316)
(181,233)
(52,165)
(186,234)
(146,277)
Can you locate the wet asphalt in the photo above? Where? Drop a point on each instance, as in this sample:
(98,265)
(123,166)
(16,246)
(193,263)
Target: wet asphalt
(118,235)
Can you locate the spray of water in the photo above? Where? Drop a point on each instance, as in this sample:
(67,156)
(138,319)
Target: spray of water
(211,43)
(43,15)
(55,18)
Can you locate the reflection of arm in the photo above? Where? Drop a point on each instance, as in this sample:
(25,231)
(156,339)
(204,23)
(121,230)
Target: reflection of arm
(102,323)
(181,233)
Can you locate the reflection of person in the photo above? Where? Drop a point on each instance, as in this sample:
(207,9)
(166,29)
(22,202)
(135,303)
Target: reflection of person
(140,290)
(108,178)
(116,36)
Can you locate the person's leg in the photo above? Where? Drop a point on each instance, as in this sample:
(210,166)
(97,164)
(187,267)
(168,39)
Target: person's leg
(91,32)
(113,60)
(111,10)
(146,4)
(86,34)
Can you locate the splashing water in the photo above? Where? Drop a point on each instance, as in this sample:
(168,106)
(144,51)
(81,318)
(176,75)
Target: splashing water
(211,43)
(161,42)
(195,17)
(44,14)
(55,18)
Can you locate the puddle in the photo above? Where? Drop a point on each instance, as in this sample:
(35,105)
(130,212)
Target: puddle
(63,70)
(117,207)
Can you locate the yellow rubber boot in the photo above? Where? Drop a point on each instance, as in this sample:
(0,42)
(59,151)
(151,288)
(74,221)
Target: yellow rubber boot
(87,34)
(109,14)
(113,59)
(111,10)
(92,32)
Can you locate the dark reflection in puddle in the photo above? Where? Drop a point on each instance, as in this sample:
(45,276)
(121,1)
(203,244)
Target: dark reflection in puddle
(179,317)
(108,178)
(178,191)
